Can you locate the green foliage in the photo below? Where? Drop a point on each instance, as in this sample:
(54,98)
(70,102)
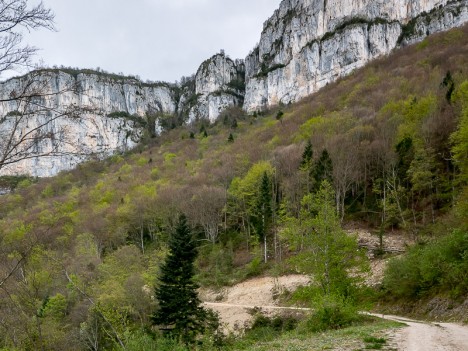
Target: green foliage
(323,170)
(332,312)
(265,69)
(264,208)
(106,222)
(279,115)
(460,137)
(169,157)
(373,343)
(326,251)
(215,263)
(450,85)
(237,84)
(279,324)
(12,182)
(141,341)
(438,266)
(179,311)
(266,328)
(307,156)
(55,307)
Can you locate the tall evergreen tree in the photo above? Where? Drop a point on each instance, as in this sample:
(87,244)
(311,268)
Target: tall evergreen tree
(307,166)
(264,211)
(323,170)
(179,309)
(307,156)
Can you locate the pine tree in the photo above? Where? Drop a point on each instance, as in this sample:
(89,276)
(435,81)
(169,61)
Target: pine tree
(179,312)
(307,156)
(234,124)
(264,211)
(307,165)
(203,131)
(230,138)
(323,170)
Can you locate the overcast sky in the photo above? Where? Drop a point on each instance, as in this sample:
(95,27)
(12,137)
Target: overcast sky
(155,39)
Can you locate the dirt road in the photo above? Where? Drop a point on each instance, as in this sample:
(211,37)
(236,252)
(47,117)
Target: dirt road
(233,305)
(424,336)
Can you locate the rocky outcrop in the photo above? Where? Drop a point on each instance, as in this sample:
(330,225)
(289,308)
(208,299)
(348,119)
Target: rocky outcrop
(309,43)
(305,45)
(76,115)
(219,83)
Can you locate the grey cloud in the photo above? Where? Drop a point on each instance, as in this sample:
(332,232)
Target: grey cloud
(155,39)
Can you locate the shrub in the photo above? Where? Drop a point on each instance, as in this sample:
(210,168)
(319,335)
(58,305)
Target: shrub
(140,341)
(333,312)
(439,266)
(277,323)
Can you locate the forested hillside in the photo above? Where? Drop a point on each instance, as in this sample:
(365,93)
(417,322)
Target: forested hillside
(80,253)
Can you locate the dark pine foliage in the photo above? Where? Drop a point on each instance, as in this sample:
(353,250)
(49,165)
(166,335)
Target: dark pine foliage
(323,169)
(179,312)
(307,156)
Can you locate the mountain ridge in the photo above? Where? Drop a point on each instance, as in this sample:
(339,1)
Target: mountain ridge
(304,45)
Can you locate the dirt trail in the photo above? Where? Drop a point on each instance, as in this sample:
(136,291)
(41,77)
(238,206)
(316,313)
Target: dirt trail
(424,336)
(233,305)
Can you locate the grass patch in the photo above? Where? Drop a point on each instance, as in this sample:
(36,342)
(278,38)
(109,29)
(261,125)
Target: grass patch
(374,343)
(351,338)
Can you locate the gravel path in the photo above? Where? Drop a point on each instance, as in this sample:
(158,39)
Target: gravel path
(425,336)
(234,303)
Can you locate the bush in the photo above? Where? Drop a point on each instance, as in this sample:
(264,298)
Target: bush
(333,312)
(215,263)
(437,267)
(277,323)
(140,341)
(265,328)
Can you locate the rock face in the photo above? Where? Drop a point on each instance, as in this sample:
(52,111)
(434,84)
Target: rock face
(77,116)
(305,45)
(219,83)
(88,113)
(309,43)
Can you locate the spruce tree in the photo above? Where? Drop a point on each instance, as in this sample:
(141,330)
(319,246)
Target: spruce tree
(323,170)
(264,211)
(307,166)
(307,156)
(179,312)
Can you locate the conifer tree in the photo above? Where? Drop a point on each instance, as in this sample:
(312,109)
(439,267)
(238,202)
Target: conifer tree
(323,170)
(179,312)
(307,156)
(307,165)
(264,211)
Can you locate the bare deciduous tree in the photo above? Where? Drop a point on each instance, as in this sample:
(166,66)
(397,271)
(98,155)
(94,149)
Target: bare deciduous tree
(29,105)
(15,17)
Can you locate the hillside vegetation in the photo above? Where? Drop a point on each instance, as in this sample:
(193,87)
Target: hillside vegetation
(386,147)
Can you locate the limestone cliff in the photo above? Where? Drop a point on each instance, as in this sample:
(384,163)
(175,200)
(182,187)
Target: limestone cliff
(219,83)
(76,115)
(305,45)
(309,43)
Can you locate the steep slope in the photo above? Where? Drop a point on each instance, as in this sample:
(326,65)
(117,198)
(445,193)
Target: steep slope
(87,113)
(307,44)
(304,46)
(97,234)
